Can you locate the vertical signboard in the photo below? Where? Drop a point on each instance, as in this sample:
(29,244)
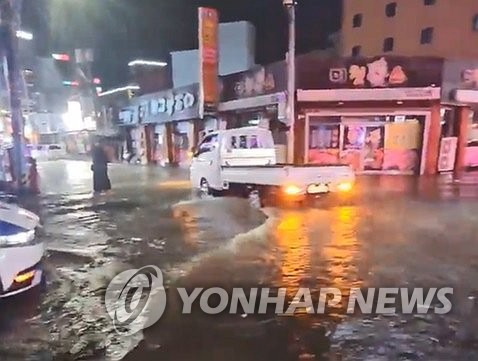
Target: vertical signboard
(208,60)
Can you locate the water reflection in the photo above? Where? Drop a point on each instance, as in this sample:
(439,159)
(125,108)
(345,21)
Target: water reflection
(341,253)
(319,248)
(77,172)
(188,215)
(293,240)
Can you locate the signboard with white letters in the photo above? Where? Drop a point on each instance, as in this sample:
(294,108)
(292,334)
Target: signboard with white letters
(162,107)
(381,72)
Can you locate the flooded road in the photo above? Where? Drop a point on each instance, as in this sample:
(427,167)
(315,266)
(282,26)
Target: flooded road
(392,232)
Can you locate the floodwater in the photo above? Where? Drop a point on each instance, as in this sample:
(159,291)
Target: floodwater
(390,232)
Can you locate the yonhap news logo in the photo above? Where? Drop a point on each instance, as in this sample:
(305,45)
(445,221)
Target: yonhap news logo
(136,299)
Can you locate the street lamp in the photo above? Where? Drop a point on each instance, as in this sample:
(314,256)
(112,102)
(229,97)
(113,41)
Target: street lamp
(142,62)
(118,90)
(290,6)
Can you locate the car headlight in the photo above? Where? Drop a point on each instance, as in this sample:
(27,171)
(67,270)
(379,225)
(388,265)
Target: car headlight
(18,239)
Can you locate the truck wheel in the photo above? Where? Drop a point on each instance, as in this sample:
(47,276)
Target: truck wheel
(206,190)
(204,187)
(254,199)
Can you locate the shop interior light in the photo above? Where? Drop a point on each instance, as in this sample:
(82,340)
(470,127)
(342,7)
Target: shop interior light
(73,118)
(141,62)
(24,35)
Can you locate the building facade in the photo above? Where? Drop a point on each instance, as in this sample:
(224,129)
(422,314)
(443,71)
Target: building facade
(237,53)
(387,114)
(160,128)
(444,28)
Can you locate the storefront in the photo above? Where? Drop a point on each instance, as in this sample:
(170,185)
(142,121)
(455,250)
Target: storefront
(161,127)
(257,98)
(460,92)
(379,115)
(376,141)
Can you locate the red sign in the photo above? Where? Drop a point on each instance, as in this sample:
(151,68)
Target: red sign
(208,60)
(61,57)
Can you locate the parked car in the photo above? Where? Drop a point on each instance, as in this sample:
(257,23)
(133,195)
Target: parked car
(47,151)
(21,251)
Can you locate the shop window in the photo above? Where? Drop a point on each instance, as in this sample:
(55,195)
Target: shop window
(473,131)
(427,36)
(324,143)
(429,2)
(356,50)
(391,10)
(325,136)
(475,23)
(357,20)
(388,44)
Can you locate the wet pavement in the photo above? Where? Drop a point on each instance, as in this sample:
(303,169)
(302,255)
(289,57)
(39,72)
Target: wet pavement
(391,232)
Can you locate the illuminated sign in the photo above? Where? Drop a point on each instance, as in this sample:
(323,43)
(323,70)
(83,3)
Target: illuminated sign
(61,57)
(161,107)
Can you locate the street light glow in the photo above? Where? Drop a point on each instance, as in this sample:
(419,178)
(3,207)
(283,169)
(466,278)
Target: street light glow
(24,35)
(117,90)
(141,62)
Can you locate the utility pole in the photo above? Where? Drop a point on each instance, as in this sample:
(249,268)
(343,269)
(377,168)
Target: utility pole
(10,11)
(290,6)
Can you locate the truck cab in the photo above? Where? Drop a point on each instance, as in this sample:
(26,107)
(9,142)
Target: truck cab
(251,146)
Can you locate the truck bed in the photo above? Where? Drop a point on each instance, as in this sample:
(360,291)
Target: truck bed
(280,174)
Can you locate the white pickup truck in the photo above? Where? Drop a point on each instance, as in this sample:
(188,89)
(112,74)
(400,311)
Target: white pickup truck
(244,160)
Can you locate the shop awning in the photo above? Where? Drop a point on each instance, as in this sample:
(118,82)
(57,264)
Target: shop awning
(465,96)
(253,102)
(343,95)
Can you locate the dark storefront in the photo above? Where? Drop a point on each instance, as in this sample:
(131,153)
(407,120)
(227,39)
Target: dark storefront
(460,93)
(161,127)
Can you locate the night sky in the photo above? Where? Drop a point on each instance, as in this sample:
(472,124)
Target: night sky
(121,30)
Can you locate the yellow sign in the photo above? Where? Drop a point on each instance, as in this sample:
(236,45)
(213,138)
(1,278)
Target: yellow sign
(403,136)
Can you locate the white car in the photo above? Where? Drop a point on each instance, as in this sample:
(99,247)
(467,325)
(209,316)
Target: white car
(21,252)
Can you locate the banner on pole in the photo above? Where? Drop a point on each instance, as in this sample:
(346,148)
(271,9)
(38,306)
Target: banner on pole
(208,60)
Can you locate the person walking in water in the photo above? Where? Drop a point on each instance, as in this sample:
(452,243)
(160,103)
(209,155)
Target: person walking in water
(101,181)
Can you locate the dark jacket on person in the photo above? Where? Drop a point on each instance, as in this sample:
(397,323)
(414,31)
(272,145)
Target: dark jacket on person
(101,181)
